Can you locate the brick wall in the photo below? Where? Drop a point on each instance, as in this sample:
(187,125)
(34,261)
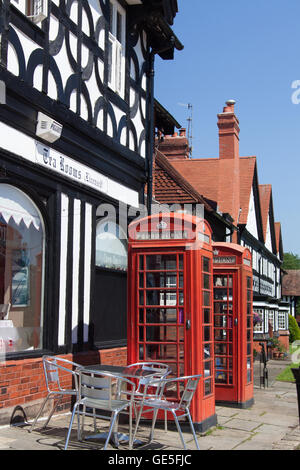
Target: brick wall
(23,387)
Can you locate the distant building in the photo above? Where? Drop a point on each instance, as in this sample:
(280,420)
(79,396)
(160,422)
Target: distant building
(291,291)
(230,185)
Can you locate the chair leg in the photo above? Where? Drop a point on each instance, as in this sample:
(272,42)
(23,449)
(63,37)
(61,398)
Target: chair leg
(179,429)
(137,421)
(151,436)
(112,423)
(55,405)
(40,412)
(70,426)
(193,429)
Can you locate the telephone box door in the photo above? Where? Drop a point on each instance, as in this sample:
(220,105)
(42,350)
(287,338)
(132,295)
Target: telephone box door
(225,335)
(161,308)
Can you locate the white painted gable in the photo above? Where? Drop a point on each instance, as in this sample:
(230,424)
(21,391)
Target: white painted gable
(251,220)
(268,242)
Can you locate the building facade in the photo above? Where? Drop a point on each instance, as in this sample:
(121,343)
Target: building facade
(76,107)
(230,184)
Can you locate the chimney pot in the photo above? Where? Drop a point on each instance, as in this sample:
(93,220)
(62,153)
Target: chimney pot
(182,132)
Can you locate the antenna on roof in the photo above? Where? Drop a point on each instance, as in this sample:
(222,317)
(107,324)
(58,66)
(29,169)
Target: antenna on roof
(190,126)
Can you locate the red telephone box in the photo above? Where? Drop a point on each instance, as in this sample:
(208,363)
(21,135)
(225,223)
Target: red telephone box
(233,324)
(170,316)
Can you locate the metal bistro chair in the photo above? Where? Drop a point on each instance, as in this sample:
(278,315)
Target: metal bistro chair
(179,408)
(103,391)
(54,369)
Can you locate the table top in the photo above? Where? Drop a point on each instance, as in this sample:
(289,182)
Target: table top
(136,372)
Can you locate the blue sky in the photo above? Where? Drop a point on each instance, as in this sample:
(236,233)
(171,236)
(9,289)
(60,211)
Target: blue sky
(250,52)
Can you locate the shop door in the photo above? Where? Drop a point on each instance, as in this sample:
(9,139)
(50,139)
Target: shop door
(161,326)
(225,336)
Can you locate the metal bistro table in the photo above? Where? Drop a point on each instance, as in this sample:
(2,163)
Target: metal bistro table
(130,372)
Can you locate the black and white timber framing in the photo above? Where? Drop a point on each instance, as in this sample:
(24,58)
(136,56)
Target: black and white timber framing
(60,67)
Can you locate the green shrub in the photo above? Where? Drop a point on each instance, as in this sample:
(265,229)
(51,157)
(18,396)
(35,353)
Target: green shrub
(294,329)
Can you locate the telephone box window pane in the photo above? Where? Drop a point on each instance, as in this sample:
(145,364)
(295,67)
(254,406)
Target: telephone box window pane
(207,368)
(180,261)
(206,315)
(161,297)
(163,279)
(207,351)
(220,321)
(141,333)
(141,297)
(161,333)
(206,281)
(141,315)
(161,262)
(181,334)
(220,377)
(141,352)
(221,362)
(207,387)
(221,349)
(141,280)
(161,315)
(141,262)
(206,298)
(206,265)
(207,333)
(180,280)
(220,307)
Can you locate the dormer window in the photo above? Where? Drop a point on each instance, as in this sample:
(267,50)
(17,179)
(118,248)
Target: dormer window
(116,48)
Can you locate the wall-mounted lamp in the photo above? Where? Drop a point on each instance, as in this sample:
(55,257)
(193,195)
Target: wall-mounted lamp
(47,128)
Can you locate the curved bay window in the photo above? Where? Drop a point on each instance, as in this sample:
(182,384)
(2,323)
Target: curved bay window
(111,246)
(21,271)
(110,294)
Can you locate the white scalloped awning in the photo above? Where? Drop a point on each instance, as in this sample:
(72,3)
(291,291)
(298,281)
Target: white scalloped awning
(15,204)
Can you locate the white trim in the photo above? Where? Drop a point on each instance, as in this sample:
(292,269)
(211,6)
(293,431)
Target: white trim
(75,269)
(39,154)
(64,221)
(87,269)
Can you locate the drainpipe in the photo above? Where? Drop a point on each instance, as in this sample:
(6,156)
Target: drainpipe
(150,146)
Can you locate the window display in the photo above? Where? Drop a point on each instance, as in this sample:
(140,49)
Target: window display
(21,271)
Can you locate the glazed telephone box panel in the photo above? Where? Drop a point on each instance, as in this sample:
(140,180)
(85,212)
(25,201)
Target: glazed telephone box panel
(233,324)
(170,286)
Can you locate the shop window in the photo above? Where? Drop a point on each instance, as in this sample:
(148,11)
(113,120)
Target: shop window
(282,321)
(116,48)
(111,246)
(21,271)
(259,326)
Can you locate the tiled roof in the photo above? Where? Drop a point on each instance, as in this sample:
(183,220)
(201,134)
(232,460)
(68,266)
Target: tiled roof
(291,282)
(265,192)
(211,177)
(171,187)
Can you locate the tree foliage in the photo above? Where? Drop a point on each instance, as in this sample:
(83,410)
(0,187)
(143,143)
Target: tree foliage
(291,261)
(294,329)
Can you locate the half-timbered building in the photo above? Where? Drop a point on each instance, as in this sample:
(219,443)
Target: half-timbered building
(230,184)
(76,123)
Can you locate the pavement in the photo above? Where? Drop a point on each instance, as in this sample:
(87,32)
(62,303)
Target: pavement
(272,423)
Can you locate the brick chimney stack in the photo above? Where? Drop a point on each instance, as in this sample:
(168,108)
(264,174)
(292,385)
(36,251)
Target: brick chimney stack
(228,125)
(175,146)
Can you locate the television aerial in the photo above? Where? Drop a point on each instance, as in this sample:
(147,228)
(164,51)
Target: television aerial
(189,106)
